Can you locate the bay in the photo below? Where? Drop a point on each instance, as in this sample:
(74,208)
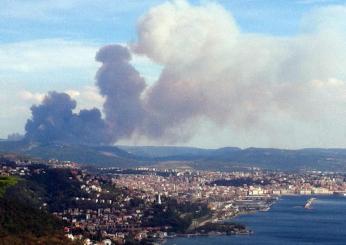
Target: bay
(287,223)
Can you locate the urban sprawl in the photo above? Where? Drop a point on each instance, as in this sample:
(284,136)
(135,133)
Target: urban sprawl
(151,204)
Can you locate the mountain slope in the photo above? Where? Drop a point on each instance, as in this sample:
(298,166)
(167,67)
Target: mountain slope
(89,155)
(166,151)
(226,158)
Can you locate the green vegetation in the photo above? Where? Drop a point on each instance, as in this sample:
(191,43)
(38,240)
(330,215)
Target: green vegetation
(17,217)
(176,215)
(5,182)
(225,228)
(22,220)
(57,187)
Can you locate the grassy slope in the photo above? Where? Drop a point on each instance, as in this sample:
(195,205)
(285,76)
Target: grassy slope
(6,182)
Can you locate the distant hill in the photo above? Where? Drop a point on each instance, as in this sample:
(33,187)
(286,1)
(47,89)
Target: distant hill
(227,158)
(166,151)
(89,155)
(278,159)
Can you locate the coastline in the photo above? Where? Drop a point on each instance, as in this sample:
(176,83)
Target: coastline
(226,221)
(229,219)
(272,223)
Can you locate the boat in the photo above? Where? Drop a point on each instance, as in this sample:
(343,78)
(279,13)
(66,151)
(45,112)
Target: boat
(308,204)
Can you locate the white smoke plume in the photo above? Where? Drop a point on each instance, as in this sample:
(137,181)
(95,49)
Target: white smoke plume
(214,71)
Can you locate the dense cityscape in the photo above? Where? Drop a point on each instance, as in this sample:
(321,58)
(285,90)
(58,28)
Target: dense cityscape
(150,205)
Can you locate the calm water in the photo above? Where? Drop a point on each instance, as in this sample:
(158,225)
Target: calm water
(288,223)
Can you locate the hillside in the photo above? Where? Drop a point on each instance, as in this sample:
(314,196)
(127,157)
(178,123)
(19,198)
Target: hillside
(22,221)
(88,155)
(166,151)
(227,158)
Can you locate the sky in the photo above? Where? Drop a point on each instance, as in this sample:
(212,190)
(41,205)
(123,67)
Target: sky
(270,73)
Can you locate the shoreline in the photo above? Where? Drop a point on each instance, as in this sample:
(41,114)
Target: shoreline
(229,219)
(209,234)
(261,233)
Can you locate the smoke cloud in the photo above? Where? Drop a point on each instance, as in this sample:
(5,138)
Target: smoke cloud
(121,85)
(54,120)
(211,71)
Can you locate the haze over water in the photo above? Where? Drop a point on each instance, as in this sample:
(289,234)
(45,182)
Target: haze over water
(288,223)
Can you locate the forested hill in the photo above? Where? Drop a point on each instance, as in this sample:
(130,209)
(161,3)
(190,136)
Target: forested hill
(84,154)
(227,158)
(22,218)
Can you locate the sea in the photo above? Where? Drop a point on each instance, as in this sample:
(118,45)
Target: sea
(287,223)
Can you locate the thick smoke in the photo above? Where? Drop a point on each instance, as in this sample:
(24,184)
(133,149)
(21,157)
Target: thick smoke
(212,71)
(54,120)
(122,86)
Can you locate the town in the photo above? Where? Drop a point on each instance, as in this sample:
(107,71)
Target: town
(150,205)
